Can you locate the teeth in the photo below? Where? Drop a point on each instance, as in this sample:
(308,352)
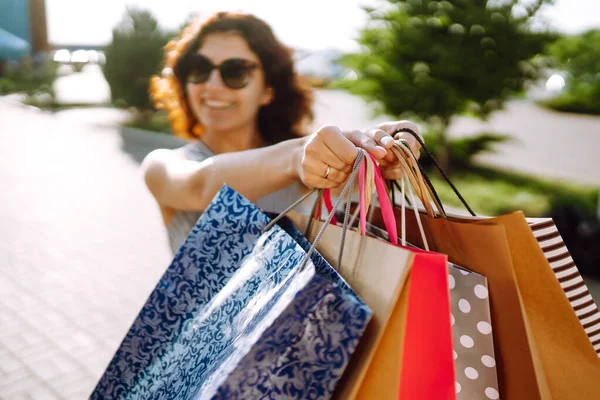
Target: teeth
(218,104)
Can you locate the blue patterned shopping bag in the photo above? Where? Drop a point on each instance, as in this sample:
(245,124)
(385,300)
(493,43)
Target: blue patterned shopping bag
(237,316)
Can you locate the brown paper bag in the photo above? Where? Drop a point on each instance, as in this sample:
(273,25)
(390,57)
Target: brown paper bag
(378,272)
(560,261)
(569,360)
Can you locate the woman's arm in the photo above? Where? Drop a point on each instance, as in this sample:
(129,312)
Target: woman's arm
(182,184)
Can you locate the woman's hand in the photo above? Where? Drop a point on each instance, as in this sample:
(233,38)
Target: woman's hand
(326,158)
(389,164)
(329,153)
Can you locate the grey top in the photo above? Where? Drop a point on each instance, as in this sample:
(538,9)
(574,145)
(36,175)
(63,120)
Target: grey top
(182,223)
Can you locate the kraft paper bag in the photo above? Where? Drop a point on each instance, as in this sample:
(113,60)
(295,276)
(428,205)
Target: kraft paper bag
(378,272)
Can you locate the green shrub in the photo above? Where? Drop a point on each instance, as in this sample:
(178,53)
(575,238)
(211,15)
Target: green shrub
(156,121)
(30,78)
(578,56)
(134,55)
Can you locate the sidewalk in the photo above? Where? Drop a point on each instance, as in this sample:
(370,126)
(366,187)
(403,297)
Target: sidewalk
(81,247)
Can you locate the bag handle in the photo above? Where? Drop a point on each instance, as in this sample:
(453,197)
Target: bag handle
(367,169)
(348,187)
(366,178)
(438,166)
(411,166)
(387,211)
(405,181)
(386,206)
(366,175)
(416,181)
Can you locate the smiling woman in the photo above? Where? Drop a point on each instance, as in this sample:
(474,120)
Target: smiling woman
(229,85)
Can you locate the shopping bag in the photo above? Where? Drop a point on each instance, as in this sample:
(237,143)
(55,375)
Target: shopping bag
(568,359)
(378,271)
(239,314)
(427,369)
(564,268)
(473,336)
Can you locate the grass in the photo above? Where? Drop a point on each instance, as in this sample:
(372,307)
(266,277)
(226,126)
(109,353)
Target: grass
(494,192)
(52,106)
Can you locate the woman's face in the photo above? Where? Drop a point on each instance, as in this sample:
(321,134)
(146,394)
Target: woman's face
(217,106)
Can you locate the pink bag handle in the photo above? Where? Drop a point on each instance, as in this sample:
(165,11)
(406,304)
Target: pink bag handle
(384,202)
(329,204)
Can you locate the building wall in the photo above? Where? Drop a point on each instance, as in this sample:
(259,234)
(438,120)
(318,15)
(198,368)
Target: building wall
(15,17)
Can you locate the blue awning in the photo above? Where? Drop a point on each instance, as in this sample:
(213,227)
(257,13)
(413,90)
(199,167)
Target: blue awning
(12,47)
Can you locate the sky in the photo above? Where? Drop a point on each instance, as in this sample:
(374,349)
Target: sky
(306,24)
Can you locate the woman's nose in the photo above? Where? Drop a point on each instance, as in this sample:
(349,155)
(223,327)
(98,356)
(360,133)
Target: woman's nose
(214,80)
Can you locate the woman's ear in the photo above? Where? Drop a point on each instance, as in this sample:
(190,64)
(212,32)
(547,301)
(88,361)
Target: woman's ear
(268,96)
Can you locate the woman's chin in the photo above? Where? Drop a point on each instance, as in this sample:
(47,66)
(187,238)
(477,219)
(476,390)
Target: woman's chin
(220,125)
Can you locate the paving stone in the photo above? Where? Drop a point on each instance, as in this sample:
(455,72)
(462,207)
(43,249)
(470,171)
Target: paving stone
(69,209)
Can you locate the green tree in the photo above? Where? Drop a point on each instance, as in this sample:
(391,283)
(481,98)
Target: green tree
(134,55)
(578,55)
(437,59)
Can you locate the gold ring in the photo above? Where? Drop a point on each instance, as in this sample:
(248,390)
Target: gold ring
(327,172)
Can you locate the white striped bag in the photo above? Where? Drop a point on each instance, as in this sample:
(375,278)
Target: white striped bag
(559,258)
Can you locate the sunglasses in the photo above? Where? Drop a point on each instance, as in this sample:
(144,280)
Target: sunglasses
(235,72)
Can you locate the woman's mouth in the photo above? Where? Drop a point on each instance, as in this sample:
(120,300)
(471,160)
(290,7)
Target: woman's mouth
(219,104)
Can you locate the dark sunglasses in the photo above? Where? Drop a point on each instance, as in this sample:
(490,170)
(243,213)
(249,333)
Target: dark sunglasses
(235,72)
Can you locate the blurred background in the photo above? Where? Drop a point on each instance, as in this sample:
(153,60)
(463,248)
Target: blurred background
(507,94)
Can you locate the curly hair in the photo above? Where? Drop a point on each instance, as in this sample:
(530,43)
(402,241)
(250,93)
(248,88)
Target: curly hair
(282,119)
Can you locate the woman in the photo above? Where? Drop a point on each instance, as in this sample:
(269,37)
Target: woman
(230,85)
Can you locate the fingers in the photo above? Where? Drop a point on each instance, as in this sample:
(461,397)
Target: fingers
(370,141)
(318,170)
(318,149)
(342,148)
(392,127)
(381,137)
